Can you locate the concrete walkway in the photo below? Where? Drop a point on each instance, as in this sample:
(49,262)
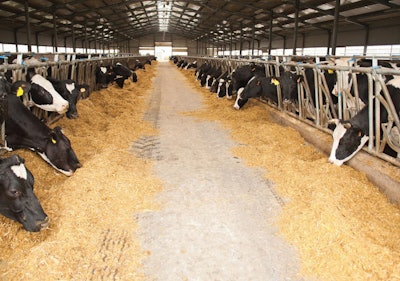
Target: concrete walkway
(217,216)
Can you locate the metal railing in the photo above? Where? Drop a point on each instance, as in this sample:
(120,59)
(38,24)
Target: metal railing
(317,108)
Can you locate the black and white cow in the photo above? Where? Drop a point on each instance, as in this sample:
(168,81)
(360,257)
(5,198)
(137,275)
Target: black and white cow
(224,87)
(43,94)
(24,130)
(258,86)
(242,74)
(212,78)
(104,76)
(70,92)
(121,74)
(351,135)
(17,199)
(201,70)
(117,73)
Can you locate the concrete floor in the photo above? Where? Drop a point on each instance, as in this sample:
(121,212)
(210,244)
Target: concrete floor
(217,216)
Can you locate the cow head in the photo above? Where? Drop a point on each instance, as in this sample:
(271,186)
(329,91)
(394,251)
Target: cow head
(258,85)
(104,75)
(58,152)
(348,139)
(17,200)
(44,95)
(288,83)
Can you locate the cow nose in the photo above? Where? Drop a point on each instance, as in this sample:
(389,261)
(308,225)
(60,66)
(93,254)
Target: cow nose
(44,223)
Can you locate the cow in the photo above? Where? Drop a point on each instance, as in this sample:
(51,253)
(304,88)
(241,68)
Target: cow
(43,95)
(70,92)
(350,136)
(224,83)
(200,70)
(242,74)
(117,73)
(104,76)
(191,65)
(121,74)
(258,86)
(24,130)
(17,199)
(212,79)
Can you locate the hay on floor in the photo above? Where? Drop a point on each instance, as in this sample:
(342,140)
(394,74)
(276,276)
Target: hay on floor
(343,227)
(92,213)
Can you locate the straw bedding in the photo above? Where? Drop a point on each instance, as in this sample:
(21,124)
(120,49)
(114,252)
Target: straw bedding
(92,213)
(343,227)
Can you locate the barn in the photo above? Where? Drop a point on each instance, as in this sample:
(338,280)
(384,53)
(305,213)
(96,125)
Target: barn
(200,140)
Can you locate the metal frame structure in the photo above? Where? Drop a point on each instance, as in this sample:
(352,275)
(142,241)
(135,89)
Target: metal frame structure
(218,22)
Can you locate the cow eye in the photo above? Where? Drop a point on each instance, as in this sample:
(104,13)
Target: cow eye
(15,193)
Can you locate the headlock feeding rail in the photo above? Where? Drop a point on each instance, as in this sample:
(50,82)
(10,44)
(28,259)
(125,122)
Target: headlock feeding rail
(356,86)
(80,68)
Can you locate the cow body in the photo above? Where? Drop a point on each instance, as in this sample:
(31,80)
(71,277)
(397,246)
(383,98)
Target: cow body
(25,130)
(17,200)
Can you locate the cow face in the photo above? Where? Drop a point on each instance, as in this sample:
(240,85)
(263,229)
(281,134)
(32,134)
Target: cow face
(288,82)
(45,96)
(104,75)
(72,99)
(239,100)
(348,139)
(68,90)
(17,200)
(59,153)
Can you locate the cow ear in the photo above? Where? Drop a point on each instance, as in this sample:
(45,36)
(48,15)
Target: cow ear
(54,134)
(30,73)
(332,124)
(347,125)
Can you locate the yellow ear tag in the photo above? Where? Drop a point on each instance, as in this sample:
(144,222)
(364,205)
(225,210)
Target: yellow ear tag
(20,92)
(53,141)
(330,71)
(275,82)
(83,90)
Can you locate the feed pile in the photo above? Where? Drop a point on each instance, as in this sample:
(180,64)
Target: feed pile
(342,226)
(92,213)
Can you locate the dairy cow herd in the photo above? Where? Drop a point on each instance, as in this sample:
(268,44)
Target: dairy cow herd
(24,129)
(254,80)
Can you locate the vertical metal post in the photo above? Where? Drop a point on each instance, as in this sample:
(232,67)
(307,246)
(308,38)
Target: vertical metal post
(271,15)
(296,25)
(335,27)
(55,43)
(28,26)
(366,40)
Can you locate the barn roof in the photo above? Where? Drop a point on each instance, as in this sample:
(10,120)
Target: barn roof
(218,21)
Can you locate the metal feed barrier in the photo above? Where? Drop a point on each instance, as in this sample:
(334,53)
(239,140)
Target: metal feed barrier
(59,66)
(311,107)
